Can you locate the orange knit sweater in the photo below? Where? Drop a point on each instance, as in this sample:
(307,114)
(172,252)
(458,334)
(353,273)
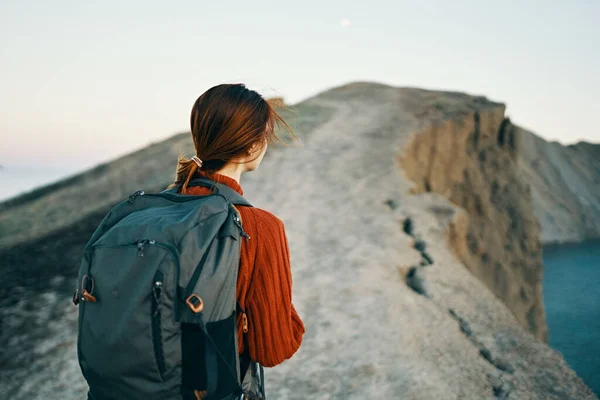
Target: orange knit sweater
(264,286)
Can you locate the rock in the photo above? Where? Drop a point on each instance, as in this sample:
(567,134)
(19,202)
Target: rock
(407,226)
(504,365)
(392,204)
(498,362)
(485,353)
(500,388)
(496,382)
(427,259)
(420,245)
(465,327)
(416,281)
(500,392)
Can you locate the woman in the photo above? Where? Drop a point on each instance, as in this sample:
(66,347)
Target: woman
(231,127)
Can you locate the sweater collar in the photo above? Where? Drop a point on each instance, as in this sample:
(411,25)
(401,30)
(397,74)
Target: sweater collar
(223,179)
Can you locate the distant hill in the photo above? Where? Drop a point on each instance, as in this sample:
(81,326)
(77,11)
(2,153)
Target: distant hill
(416,253)
(565,186)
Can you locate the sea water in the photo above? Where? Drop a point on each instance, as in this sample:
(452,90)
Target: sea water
(15,180)
(572,300)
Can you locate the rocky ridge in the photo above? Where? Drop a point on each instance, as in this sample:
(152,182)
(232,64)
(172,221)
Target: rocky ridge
(390,308)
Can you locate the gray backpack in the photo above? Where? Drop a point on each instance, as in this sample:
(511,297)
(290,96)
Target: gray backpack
(157,300)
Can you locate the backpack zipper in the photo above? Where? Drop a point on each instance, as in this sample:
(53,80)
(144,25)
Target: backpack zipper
(238,221)
(141,244)
(156,322)
(136,194)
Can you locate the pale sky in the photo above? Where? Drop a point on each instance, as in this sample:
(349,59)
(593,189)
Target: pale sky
(82,83)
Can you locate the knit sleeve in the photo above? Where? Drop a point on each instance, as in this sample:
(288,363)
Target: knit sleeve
(274,328)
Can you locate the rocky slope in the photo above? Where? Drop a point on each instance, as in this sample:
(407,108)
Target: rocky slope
(379,273)
(565,186)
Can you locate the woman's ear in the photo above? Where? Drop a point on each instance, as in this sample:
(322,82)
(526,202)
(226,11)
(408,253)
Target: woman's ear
(257,147)
(252,149)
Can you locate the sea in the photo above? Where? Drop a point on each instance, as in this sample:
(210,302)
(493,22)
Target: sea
(572,300)
(15,180)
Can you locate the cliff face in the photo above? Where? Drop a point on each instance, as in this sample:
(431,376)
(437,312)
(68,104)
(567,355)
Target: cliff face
(565,186)
(390,310)
(471,160)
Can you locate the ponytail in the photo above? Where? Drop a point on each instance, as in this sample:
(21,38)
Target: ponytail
(186,169)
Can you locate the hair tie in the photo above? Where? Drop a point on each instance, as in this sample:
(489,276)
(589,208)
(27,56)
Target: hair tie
(197,161)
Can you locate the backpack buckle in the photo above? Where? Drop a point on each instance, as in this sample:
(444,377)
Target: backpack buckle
(85,295)
(195,303)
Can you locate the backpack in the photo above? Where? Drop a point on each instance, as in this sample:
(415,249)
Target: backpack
(157,300)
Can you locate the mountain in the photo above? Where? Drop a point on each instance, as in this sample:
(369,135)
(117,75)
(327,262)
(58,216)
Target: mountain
(565,186)
(416,254)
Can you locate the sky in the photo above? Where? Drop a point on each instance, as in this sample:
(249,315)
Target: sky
(83,82)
